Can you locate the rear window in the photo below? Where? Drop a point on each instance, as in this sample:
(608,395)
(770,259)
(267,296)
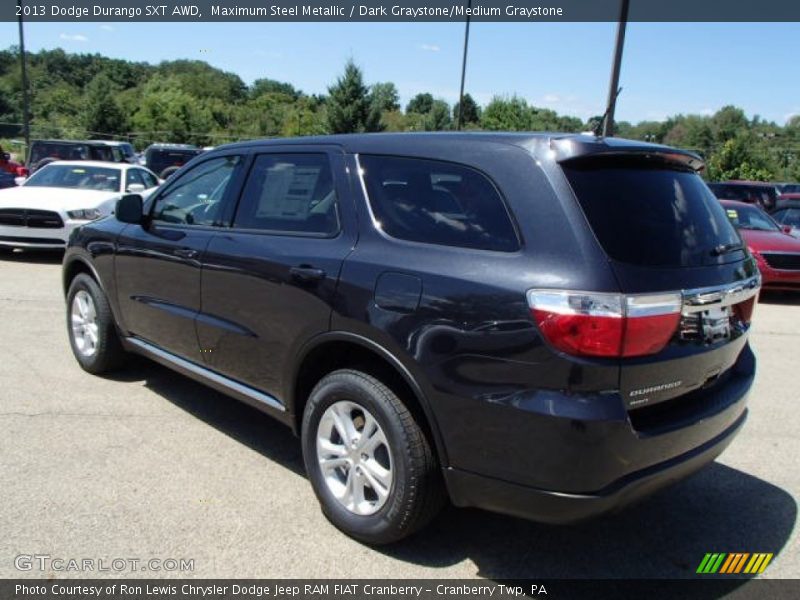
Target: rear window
(158,160)
(752,194)
(437,202)
(648,214)
(65,151)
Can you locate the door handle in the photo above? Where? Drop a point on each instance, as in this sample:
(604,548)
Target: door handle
(186,253)
(306,274)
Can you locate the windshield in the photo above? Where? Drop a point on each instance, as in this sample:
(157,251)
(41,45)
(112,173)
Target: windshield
(649,213)
(70,176)
(751,218)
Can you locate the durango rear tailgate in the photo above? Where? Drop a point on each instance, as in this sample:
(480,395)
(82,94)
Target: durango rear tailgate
(663,231)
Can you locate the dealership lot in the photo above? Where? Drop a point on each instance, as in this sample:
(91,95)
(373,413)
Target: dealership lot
(150,465)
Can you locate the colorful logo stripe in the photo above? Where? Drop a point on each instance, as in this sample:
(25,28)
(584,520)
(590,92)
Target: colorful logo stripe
(734,562)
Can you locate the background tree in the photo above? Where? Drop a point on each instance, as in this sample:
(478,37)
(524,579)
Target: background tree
(102,117)
(507,114)
(738,160)
(349,109)
(438,117)
(384,97)
(421,104)
(471,114)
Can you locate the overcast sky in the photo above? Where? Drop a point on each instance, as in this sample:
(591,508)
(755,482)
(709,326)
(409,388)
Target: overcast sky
(668,68)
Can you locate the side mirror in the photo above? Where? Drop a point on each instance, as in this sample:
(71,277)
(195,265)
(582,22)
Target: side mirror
(786,229)
(135,188)
(129,209)
(6,156)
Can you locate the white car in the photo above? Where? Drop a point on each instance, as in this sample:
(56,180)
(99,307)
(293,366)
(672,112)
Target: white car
(42,212)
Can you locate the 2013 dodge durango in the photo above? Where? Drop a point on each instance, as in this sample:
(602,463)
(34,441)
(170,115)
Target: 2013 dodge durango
(548,326)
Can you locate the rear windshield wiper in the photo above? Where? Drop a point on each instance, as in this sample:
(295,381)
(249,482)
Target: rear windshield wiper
(726,248)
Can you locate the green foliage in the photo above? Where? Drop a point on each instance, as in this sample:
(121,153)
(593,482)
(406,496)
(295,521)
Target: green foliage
(89,95)
(272,86)
(102,116)
(507,114)
(471,114)
(349,107)
(384,97)
(737,159)
(420,104)
(438,117)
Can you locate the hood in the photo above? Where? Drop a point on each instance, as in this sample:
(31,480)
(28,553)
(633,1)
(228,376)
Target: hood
(49,198)
(770,241)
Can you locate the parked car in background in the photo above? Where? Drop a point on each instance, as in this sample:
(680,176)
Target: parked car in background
(787,212)
(789,188)
(165,159)
(777,252)
(401,302)
(11,167)
(43,152)
(61,196)
(751,192)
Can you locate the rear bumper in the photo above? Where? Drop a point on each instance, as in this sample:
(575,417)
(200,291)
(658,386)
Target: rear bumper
(560,457)
(546,506)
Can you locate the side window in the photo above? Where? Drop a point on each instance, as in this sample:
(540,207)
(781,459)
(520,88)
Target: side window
(289,193)
(780,215)
(437,202)
(148,179)
(195,198)
(790,216)
(134,176)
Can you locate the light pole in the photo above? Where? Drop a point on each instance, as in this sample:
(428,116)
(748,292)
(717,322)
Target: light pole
(463,70)
(613,87)
(26,115)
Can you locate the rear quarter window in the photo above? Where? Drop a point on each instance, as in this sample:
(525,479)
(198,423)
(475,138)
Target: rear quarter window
(647,213)
(437,202)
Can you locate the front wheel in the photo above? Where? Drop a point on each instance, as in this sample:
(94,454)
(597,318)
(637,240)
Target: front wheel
(90,324)
(370,463)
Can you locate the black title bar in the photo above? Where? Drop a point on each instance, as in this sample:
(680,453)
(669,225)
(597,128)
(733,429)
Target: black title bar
(398,10)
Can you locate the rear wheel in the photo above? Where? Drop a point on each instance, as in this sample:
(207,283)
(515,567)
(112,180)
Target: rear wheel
(90,324)
(369,462)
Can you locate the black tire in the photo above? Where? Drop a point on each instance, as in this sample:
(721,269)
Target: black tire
(166,173)
(108,353)
(417,492)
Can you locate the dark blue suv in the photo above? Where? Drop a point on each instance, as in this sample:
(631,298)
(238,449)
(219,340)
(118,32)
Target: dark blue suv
(542,325)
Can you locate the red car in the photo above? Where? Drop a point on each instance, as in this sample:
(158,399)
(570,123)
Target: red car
(10,166)
(777,252)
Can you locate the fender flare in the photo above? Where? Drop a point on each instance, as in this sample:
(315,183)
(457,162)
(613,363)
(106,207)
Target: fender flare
(369,344)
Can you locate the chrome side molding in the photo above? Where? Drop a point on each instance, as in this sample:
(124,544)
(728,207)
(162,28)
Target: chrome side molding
(700,299)
(203,374)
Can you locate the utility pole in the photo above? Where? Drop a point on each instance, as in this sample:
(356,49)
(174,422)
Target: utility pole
(26,112)
(463,70)
(613,87)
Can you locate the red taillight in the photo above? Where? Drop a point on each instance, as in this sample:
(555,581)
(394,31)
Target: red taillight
(611,325)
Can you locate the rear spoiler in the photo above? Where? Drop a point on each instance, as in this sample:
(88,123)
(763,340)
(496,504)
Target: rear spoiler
(577,147)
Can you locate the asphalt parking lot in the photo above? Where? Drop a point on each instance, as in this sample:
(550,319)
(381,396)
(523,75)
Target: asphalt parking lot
(148,464)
